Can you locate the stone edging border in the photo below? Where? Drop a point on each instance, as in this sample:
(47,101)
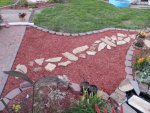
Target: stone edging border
(84,33)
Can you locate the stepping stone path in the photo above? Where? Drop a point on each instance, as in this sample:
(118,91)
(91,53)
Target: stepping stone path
(50,67)
(39,61)
(70,56)
(80,49)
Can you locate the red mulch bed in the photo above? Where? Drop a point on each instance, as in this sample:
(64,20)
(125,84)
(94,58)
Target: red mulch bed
(106,69)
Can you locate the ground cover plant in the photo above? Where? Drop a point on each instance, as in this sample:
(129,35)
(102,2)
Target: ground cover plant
(6,2)
(88,15)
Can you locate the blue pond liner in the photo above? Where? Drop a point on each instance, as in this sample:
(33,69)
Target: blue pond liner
(120,3)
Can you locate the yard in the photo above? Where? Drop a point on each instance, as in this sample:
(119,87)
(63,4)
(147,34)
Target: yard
(81,16)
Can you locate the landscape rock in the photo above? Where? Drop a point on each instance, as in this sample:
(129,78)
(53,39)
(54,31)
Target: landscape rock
(37,69)
(118,96)
(55,59)
(101,46)
(109,42)
(70,56)
(75,87)
(143,87)
(82,55)
(21,68)
(127,39)
(108,47)
(50,67)
(80,49)
(39,61)
(91,52)
(121,42)
(135,86)
(125,85)
(13,93)
(121,35)
(127,108)
(64,63)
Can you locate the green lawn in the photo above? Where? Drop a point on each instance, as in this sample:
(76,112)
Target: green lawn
(6,2)
(88,15)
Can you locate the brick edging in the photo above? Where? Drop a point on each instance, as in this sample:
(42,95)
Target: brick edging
(82,34)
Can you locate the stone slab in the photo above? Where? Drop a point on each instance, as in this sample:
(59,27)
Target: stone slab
(13,93)
(80,49)
(101,46)
(127,108)
(91,52)
(121,42)
(55,59)
(139,104)
(50,67)
(70,56)
(64,63)
(108,42)
(39,61)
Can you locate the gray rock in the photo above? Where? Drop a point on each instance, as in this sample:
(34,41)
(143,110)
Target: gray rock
(76,34)
(101,46)
(128,63)
(13,93)
(143,87)
(130,77)
(128,57)
(37,69)
(128,70)
(59,33)
(135,86)
(75,87)
(109,42)
(127,108)
(89,33)
(39,61)
(125,85)
(50,67)
(82,34)
(70,56)
(52,32)
(55,59)
(80,49)
(66,34)
(91,52)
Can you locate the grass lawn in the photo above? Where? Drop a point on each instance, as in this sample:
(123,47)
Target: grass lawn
(6,2)
(88,15)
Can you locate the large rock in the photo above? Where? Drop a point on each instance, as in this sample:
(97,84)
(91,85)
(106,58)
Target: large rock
(80,49)
(109,42)
(70,56)
(55,59)
(39,61)
(101,46)
(64,63)
(21,68)
(50,67)
(125,85)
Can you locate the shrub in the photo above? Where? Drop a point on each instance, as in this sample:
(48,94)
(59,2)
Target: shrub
(87,104)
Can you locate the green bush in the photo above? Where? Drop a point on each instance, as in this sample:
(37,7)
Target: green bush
(87,104)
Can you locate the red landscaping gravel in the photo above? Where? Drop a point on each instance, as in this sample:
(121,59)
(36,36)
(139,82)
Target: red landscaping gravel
(106,69)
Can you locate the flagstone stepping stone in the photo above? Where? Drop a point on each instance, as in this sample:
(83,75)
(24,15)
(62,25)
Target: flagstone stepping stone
(121,35)
(13,93)
(21,68)
(132,36)
(120,38)
(108,42)
(37,69)
(55,59)
(39,61)
(97,41)
(82,55)
(127,108)
(64,63)
(91,52)
(147,43)
(125,85)
(135,86)
(50,67)
(113,37)
(108,47)
(120,42)
(119,96)
(70,56)
(139,104)
(108,38)
(2,107)
(80,49)
(127,39)
(101,46)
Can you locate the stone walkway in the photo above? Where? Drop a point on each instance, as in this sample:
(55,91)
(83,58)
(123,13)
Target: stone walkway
(10,41)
